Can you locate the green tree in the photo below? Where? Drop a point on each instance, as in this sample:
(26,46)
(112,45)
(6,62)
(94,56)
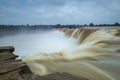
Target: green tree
(91,24)
(116,24)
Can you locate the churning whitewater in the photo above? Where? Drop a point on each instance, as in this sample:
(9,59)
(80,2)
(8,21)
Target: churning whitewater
(90,53)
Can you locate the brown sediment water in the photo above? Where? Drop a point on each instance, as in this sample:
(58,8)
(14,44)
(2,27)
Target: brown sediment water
(96,56)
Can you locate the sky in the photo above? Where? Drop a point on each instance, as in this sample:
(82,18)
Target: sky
(59,11)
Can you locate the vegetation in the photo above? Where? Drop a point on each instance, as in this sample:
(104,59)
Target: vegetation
(6,30)
(27,26)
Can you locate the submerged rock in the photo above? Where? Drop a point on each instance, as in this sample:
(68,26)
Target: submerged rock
(54,76)
(59,76)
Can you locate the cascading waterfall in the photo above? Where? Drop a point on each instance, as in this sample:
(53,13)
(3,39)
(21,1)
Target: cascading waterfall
(89,53)
(95,57)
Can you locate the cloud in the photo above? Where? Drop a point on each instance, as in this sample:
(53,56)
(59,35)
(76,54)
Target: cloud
(59,11)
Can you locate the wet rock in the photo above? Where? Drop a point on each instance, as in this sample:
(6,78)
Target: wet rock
(66,76)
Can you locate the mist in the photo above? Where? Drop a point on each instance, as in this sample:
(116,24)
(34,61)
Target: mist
(49,41)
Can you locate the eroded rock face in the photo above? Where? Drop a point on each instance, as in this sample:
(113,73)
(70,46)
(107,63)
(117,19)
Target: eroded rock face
(10,68)
(14,69)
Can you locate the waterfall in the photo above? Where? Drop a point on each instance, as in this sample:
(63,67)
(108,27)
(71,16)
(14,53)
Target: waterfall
(96,55)
(83,52)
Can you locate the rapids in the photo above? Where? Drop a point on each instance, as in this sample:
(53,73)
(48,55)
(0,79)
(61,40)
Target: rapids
(89,53)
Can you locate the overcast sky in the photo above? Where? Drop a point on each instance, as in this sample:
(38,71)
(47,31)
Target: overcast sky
(59,11)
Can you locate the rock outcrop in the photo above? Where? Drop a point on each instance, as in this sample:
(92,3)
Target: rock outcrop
(10,67)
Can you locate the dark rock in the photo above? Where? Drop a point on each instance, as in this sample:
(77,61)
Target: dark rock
(9,66)
(8,57)
(7,48)
(66,76)
(6,53)
(59,76)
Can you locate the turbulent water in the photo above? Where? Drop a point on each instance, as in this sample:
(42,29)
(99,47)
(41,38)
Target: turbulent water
(90,53)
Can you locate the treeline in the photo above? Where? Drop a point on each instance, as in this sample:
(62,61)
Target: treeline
(27,26)
(6,30)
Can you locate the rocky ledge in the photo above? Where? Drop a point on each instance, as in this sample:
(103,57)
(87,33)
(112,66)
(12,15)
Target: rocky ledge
(14,69)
